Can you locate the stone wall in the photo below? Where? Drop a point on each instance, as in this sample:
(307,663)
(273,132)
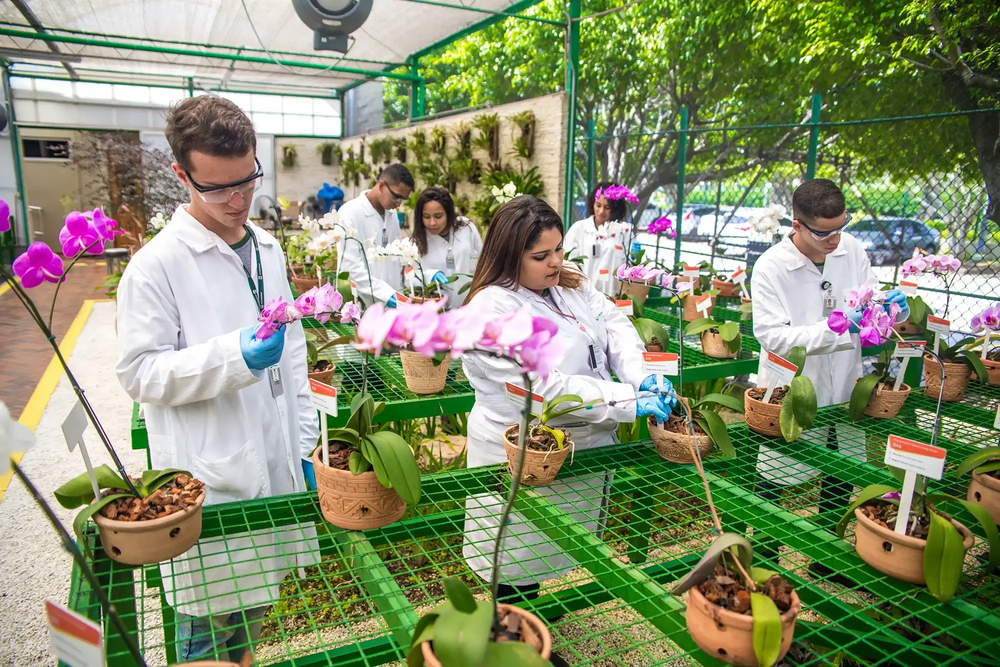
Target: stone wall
(549,154)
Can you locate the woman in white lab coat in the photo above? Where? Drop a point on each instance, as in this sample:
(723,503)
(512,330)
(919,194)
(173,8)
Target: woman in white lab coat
(448,243)
(522,266)
(600,240)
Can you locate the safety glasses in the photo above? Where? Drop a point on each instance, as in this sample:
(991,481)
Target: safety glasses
(823,235)
(223,194)
(398,198)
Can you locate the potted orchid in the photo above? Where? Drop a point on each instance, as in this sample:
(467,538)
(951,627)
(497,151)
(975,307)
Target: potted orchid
(322,303)
(984,488)
(460,631)
(691,288)
(636,280)
(100,491)
(789,410)
(719,340)
(987,323)
(671,439)
(876,395)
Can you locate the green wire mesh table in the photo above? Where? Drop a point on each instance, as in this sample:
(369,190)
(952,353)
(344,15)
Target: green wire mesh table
(361,604)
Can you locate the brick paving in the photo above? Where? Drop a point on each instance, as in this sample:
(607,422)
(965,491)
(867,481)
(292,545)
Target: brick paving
(24,352)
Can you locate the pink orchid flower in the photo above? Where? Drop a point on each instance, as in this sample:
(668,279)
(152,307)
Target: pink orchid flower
(457,330)
(4,216)
(328,301)
(38,264)
(79,234)
(508,330)
(989,319)
(306,303)
(892,495)
(860,297)
(105,226)
(838,322)
(541,353)
(350,313)
(374,328)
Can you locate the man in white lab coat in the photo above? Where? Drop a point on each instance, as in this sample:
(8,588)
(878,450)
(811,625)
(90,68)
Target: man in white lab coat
(232,409)
(373,215)
(796,285)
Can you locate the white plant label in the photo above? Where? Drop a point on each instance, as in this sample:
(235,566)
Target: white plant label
(739,276)
(691,272)
(625,306)
(659,363)
(986,344)
(904,352)
(402,298)
(410,278)
(908,288)
(996,420)
(914,456)
(939,327)
(73,427)
(703,304)
(779,372)
(323,397)
(75,639)
(518,395)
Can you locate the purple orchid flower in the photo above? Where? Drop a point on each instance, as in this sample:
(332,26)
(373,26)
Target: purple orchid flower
(38,264)
(350,313)
(78,235)
(4,216)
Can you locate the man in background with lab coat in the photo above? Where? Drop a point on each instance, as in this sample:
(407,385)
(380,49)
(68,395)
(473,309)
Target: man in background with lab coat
(231,409)
(796,285)
(373,215)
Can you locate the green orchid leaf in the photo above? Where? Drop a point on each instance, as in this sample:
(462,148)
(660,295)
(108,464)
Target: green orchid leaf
(424,632)
(461,639)
(977,459)
(898,473)
(370,452)
(558,434)
(978,367)
(766,629)
(760,575)
(84,515)
(729,331)
(721,399)
(790,427)
(804,403)
(861,395)
(465,288)
(736,343)
(78,491)
(357,463)
(512,654)
(400,466)
(459,595)
(867,494)
(562,399)
(985,521)
(797,356)
(546,417)
(716,428)
(988,467)
(918,310)
(699,325)
(703,570)
(943,558)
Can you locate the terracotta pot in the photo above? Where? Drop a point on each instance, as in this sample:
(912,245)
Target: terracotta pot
(886,403)
(993,368)
(713,346)
(762,417)
(355,502)
(421,375)
(304,283)
(540,468)
(899,556)
(324,376)
(533,632)
(745,299)
(728,636)
(907,328)
(985,490)
(654,347)
(956,380)
(675,447)
(416,298)
(691,312)
(637,291)
(149,542)
(726,287)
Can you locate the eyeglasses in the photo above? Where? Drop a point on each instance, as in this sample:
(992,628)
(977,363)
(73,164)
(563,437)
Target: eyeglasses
(395,196)
(823,235)
(223,194)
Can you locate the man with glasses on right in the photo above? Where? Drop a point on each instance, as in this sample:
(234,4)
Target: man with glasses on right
(373,215)
(796,285)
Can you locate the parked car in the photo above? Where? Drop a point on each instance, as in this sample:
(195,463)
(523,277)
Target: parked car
(889,240)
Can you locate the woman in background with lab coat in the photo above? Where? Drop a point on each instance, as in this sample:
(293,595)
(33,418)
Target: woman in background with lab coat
(521,266)
(599,240)
(449,244)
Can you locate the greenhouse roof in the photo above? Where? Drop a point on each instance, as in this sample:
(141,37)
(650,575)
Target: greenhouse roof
(216,42)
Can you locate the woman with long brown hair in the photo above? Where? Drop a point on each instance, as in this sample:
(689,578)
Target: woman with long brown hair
(521,267)
(448,243)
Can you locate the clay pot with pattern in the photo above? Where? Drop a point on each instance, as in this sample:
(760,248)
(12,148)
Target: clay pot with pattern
(886,402)
(956,380)
(421,375)
(304,283)
(636,291)
(984,489)
(355,502)
(540,466)
(763,418)
(533,632)
(726,287)
(691,312)
(993,368)
(713,345)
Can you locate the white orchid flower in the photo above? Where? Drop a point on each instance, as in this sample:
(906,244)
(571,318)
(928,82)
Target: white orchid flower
(330,219)
(372,254)
(14,437)
(504,195)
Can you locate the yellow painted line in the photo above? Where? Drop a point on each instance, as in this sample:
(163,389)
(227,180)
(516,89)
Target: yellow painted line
(5,287)
(33,411)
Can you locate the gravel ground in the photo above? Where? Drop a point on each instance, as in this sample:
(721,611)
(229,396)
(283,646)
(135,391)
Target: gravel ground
(35,568)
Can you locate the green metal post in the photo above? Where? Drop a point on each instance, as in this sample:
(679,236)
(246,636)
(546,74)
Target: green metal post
(190,86)
(817,106)
(418,90)
(681,162)
(15,144)
(572,75)
(590,156)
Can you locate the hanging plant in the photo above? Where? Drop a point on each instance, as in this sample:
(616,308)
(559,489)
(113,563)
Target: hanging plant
(439,139)
(288,156)
(488,139)
(325,150)
(524,145)
(400,146)
(381,150)
(463,138)
(418,144)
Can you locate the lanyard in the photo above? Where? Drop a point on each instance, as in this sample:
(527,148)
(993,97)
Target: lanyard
(258,292)
(591,351)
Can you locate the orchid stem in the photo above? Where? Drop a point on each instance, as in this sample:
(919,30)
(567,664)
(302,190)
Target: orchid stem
(59,284)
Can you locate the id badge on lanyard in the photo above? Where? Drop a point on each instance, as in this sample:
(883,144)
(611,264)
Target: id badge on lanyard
(829,300)
(449,261)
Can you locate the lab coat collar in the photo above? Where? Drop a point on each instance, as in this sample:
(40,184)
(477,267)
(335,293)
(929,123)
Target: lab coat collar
(795,258)
(367,207)
(200,239)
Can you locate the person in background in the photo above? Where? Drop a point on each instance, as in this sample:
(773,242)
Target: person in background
(796,285)
(521,266)
(598,241)
(373,215)
(231,409)
(449,244)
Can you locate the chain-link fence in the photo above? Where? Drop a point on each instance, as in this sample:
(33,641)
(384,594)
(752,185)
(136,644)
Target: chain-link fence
(911,184)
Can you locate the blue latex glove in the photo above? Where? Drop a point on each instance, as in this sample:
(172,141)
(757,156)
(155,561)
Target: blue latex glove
(439,277)
(310,474)
(658,405)
(391,303)
(259,354)
(896,296)
(855,318)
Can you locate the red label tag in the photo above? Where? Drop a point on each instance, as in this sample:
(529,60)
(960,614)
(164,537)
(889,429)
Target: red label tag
(913,447)
(618,247)
(603,272)
(402,298)
(624,305)
(654,357)
(323,397)
(70,624)
(784,363)
(939,321)
(916,457)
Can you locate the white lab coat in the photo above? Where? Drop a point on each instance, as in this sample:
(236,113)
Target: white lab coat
(788,311)
(581,241)
(527,552)
(181,303)
(466,244)
(372,227)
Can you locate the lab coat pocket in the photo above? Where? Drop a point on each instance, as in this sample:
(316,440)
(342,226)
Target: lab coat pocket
(238,476)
